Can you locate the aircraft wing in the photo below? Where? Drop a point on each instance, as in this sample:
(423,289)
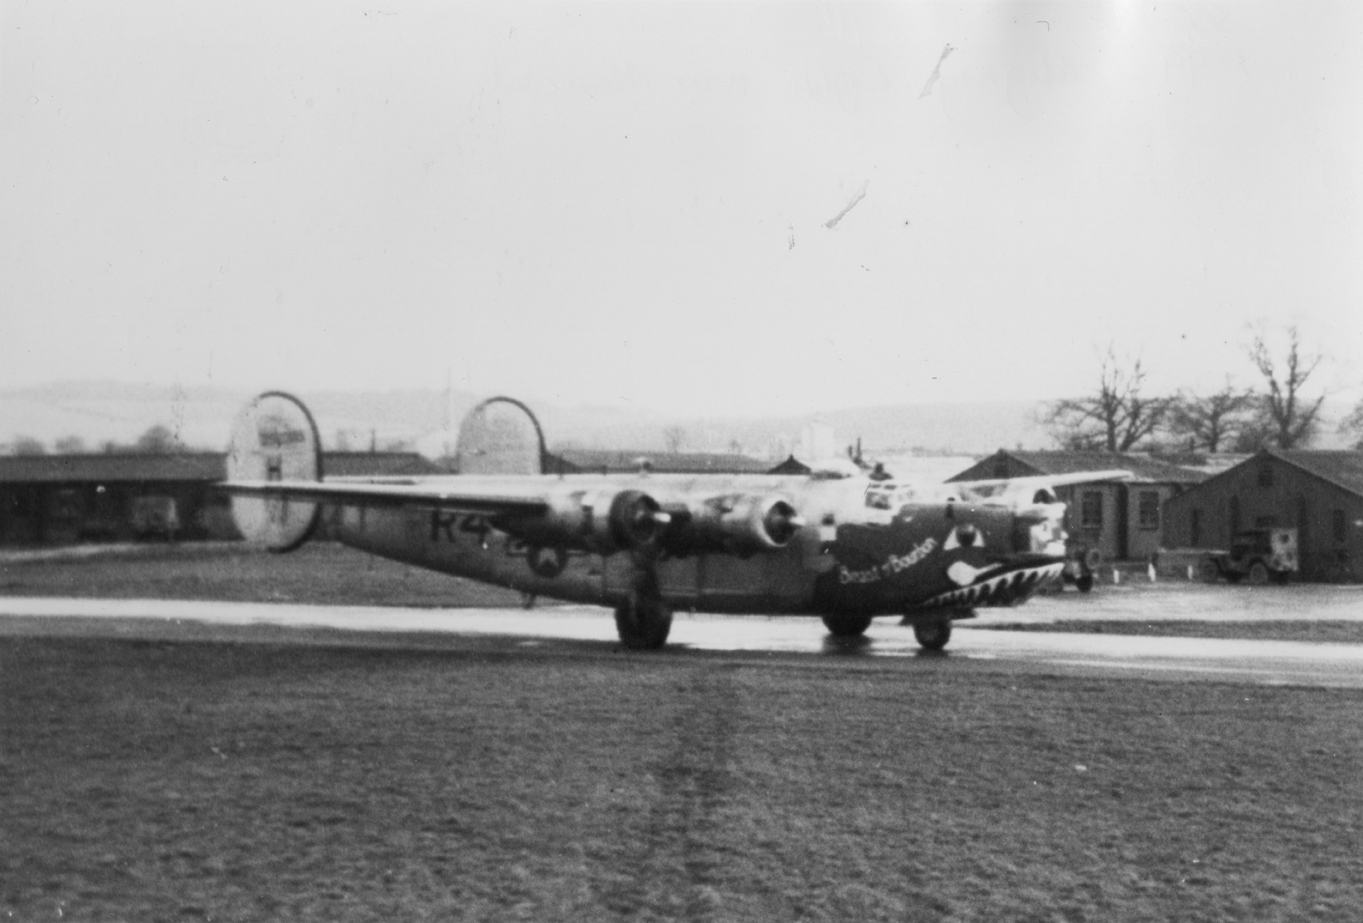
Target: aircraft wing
(1048,480)
(1001,489)
(426,493)
(597,516)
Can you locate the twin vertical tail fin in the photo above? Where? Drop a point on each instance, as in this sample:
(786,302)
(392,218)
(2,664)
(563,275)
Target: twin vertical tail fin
(274,438)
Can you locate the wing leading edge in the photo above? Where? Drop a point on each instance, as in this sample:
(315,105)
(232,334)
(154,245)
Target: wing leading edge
(432,494)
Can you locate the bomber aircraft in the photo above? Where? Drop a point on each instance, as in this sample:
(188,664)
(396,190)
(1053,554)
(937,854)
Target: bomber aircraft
(834,543)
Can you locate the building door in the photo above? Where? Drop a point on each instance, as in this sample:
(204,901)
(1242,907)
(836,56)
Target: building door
(1123,522)
(1305,553)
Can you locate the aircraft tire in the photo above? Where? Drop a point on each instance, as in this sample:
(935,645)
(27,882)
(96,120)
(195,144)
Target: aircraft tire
(932,636)
(1208,571)
(847,624)
(644,624)
(1085,583)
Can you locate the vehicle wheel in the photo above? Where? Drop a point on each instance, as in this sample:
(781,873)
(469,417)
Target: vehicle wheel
(932,636)
(1258,574)
(1085,583)
(847,624)
(643,624)
(1208,571)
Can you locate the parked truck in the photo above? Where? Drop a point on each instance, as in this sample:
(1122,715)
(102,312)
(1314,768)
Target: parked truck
(1256,556)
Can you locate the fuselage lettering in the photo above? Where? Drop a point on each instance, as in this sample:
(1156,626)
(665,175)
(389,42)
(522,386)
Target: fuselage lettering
(891,566)
(444,525)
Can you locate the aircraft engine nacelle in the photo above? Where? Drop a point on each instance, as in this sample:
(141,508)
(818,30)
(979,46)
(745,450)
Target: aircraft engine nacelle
(602,521)
(741,524)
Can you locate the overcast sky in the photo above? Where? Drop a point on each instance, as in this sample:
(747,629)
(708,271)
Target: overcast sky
(635,204)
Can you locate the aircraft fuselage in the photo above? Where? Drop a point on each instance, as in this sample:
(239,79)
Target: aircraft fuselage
(855,553)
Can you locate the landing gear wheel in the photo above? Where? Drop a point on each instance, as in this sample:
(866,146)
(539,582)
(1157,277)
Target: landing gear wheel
(932,636)
(847,625)
(1084,583)
(1258,574)
(643,624)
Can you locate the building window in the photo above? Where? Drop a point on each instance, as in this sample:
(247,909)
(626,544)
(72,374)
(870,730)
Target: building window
(1147,509)
(1265,475)
(1339,527)
(1195,528)
(1091,510)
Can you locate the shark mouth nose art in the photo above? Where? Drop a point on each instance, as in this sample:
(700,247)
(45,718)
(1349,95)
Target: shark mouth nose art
(999,589)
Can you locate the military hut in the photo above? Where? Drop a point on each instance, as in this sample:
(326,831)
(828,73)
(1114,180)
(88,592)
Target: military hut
(1318,493)
(1120,520)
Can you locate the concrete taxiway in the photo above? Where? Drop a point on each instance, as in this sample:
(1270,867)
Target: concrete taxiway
(803,639)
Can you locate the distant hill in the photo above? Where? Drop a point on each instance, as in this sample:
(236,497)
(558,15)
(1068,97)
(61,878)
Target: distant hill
(98,412)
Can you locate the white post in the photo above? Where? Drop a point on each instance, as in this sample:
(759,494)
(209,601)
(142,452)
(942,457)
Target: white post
(1116,576)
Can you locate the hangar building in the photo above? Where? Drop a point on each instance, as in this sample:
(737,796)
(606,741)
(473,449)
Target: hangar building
(61,499)
(1319,493)
(1120,519)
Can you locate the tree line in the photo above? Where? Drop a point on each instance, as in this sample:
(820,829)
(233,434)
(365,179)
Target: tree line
(156,440)
(1282,410)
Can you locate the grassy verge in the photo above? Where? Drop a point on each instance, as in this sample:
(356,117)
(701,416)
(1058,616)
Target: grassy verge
(175,781)
(319,572)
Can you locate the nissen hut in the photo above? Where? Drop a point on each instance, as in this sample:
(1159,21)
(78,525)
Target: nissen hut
(1120,520)
(1318,493)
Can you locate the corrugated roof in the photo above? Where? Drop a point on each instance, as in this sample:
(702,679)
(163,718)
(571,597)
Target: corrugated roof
(377,464)
(1343,468)
(50,469)
(188,466)
(1145,468)
(663,462)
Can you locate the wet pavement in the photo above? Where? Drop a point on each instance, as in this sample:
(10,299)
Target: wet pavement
(803,639)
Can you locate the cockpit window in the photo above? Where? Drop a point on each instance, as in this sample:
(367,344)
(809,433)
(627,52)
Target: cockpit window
(886,495)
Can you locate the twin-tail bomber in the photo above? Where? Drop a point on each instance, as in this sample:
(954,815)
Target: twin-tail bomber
(833,544)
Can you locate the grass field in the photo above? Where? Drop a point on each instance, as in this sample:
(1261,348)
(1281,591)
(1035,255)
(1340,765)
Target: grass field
(175,781)
(319,572)
(252,781)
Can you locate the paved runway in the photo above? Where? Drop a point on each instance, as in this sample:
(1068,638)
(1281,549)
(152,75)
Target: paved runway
(804,640)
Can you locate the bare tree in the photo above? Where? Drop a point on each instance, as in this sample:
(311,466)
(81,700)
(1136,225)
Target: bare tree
(27,445)
(1352,426)
(674,437)
(1288,418)
(158,440)
(69,445)
(1214,421)
(1115,418)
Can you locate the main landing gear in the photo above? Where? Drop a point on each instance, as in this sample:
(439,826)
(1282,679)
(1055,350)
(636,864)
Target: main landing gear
(847,624)
(643,623)
(644,620)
